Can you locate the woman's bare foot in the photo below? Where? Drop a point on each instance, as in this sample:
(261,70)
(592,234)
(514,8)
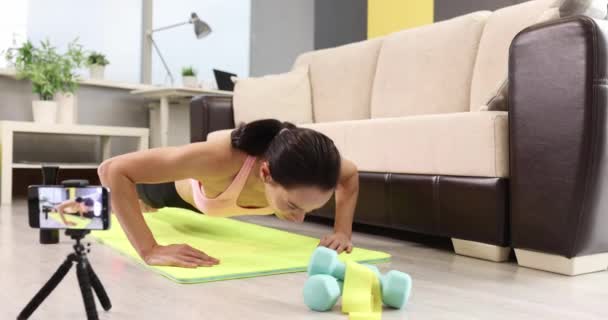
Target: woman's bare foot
(145,207)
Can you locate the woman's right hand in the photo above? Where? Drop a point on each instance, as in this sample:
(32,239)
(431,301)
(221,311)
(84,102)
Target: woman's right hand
(178,255)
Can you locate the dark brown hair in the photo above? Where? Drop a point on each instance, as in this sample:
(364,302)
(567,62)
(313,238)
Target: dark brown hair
(87,201)
(296,156)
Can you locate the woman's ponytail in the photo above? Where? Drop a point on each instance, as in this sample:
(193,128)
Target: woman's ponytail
(255,137)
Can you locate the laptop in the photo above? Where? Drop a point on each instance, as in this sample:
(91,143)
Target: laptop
(223,80)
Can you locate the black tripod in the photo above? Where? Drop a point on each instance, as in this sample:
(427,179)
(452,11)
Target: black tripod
(86,279)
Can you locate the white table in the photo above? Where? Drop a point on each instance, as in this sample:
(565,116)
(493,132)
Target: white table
(8,128)
(165,94)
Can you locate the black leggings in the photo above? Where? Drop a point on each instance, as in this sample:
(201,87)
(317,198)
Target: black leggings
(162,195)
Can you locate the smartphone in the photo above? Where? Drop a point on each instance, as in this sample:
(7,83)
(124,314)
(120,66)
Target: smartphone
(61,207)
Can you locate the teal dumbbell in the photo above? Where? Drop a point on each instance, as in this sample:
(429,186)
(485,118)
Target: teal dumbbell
(325,261)
(321,292)
(395,285)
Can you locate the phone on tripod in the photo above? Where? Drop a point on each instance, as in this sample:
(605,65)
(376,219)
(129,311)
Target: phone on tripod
(69,207)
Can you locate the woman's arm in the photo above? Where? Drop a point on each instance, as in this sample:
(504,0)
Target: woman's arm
(346,198)
(60,209)
(158,165)
(346,201)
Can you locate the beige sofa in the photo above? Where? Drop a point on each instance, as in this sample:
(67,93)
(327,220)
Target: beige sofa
(410,110)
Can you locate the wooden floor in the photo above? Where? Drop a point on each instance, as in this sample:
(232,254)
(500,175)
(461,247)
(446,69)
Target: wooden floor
(446,286)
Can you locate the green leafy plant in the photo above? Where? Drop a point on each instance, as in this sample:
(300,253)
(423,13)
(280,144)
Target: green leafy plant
(188,72)
(48,70)
(97,58)
(24,54)
(73,59)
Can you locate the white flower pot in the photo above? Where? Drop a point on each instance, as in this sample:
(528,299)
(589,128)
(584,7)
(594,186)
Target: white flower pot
(67,108)
(96,71)
(190,81)
(44,111)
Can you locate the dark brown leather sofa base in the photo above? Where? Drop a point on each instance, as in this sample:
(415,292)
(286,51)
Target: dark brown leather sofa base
(468,208)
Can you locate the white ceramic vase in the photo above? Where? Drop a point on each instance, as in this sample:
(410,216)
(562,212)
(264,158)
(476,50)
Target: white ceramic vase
(190,81)
(67,108)
(44,111)
(96,71)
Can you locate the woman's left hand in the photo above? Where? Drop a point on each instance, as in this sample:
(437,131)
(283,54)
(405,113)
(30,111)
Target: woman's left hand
(337,241)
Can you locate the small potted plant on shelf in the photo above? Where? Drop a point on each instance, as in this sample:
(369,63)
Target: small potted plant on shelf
(189,77)
(65,97)
(97,63)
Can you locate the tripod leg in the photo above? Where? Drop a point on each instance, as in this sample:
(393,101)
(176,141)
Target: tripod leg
(85,289)
(99,289)
(47,288)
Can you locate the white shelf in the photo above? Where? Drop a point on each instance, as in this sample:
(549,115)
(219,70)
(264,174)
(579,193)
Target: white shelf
(92,82)
(9,128)
(136,88)
(76,129)
(62,165)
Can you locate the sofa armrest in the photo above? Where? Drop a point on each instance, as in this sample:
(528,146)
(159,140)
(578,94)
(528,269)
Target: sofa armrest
(210,113)
(558,97)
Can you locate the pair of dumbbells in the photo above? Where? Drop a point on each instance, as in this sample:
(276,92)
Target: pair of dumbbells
(325,283)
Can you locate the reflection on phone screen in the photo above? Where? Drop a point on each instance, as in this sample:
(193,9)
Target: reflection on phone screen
(70,207)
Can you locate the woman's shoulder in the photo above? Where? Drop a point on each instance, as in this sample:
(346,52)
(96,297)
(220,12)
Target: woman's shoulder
(219,149)
(221,142)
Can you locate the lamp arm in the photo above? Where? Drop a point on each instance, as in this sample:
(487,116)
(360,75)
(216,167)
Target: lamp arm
(169,27)
(162,59)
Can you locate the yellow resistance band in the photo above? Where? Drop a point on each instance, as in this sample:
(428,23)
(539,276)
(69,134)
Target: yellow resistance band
(361,296)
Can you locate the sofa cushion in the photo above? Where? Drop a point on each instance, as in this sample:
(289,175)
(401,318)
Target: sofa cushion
(498,102)
(283,96)
(458,144)
(493,54)
(427,70)
(341,80)
(303,60)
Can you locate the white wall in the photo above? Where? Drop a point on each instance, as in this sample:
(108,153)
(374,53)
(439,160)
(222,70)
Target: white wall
(280,31)
(114,27)
(13,25)
(226,48)
(110,26)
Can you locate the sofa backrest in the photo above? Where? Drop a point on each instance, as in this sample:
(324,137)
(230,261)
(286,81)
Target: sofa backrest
(341,80)
(450,66)
(427,70)
(491,65)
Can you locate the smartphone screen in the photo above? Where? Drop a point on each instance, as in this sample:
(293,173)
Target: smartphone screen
(60,207)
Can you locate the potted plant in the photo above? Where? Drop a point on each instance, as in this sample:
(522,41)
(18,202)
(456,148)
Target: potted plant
(65,97)
(97,63)
(49,72)
(41,67)
(189,77)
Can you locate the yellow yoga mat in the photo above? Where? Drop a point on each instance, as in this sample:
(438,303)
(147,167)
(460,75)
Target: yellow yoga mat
(244,249)
(81,223)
